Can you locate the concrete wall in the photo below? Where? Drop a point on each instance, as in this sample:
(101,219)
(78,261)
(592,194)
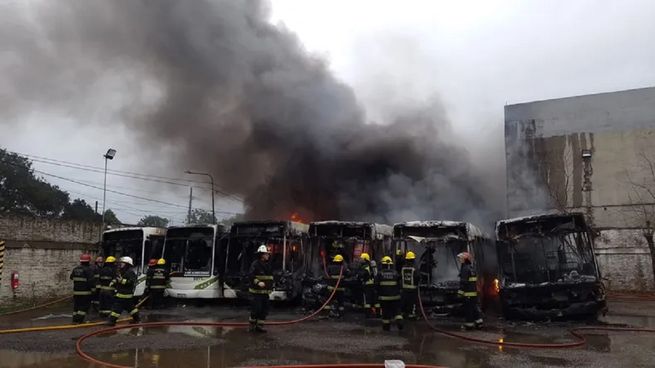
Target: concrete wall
(43,252)
(545,142)
(624,260)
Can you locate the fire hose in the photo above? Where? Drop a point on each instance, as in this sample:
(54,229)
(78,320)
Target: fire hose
(577,333)
(36,306)
(64,327)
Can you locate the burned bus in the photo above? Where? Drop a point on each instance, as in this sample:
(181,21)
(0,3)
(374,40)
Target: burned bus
(436,245)
(139,243)
(191,254)
(350,239)
(548,268)
(286,240)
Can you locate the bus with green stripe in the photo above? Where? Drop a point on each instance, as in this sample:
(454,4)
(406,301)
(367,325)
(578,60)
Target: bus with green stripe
(192,254)
(139,243)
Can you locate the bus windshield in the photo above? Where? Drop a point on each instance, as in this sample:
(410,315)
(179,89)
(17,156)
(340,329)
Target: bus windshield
(189,250)
(124,243)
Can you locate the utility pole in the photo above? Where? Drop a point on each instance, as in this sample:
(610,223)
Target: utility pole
(111,153)
(211,178)
(188,219)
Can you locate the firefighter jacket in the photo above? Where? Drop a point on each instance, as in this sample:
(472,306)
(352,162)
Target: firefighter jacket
(159,277)
(107,274)
(260,272)
(468,281)
(410,277)
(96,276)
(388,284)
(83,280)
(125,284)
(365,274)
(333,270)
(149,274)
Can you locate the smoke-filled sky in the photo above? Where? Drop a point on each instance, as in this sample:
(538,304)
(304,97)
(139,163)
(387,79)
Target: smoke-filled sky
(379,110)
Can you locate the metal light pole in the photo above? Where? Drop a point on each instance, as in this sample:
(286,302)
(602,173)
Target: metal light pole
(211,178)
(111,153)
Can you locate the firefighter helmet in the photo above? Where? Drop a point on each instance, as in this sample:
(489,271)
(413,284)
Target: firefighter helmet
(85,258)
(152,262)
(386,260)
(262,249)
(338,258)
(161,262)
(110,259)
(127,260)
(365,257)
(99,259)
(410,255)
(464,256)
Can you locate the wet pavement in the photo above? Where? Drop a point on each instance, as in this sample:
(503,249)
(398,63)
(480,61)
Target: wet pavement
(322,341)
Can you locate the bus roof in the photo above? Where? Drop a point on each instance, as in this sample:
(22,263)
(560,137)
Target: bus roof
(217,227)
(472,231)
(290,227)
(378,230)
(147,230)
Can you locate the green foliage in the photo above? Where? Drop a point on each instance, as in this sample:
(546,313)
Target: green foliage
(21,192)
(111,219)
(79,210)
(199,216)
(154,221)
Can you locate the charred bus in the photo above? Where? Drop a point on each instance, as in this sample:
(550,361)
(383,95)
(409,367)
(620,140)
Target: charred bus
(191,254)
(350,239)
(286,240)
(139,243)
(436,245)
(548,268)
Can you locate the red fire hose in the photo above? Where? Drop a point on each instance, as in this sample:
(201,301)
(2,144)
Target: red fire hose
(575,332)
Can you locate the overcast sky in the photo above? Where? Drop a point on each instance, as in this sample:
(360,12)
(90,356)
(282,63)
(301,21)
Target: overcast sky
(476,56)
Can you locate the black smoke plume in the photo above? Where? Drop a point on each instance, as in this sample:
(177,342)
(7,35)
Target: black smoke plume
(214,85)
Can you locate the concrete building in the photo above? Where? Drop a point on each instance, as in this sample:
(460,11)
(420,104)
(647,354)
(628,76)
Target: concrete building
(593,154)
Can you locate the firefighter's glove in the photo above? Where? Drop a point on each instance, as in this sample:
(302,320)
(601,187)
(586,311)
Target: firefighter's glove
(261,284)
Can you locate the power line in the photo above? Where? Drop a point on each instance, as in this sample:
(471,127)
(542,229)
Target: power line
(125,174)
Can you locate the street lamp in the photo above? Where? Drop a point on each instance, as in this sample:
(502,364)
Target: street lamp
(111,153)
(211,178)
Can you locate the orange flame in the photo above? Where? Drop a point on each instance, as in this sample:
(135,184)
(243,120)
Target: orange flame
(295,217)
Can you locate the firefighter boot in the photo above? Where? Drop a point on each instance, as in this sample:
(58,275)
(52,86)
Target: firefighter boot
(253,325)
(259,327)
(399,322)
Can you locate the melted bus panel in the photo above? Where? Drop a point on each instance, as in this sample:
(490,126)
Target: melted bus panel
(548,268)
(286,240)
(436,245)
(350,239)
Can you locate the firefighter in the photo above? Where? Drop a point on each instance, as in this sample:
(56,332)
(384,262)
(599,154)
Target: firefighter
(410,278)
(151,270)
(469,292)
(335,274)
(97,265)
(400,259)
(125,283)
(106,297)
(83,286)
(158,284)
(388,287)
(261,286)
(367,278)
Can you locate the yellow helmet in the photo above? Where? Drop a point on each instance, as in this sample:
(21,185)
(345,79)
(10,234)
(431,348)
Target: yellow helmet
(410,255)
(387,260)
(161,261)
(110,259)
(365,257)
(338,258)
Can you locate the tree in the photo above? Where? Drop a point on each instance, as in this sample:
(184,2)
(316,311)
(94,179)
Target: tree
(154,221)
(81,211)
(111,219)
(200,216)
(642,199)
(21,192)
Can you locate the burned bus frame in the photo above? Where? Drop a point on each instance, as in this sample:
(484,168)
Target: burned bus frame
(548,269)
(348,238)
(286,240)
(436,244)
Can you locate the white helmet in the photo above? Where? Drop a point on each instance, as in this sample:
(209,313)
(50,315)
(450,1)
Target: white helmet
(127,260)
(262,249)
